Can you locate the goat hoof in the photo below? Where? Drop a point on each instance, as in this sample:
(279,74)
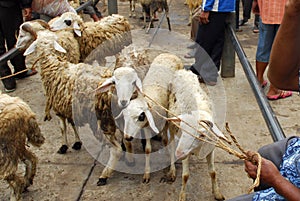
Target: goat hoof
(102,181)
(63,149)
(77,145)
(167,179)
(146,178)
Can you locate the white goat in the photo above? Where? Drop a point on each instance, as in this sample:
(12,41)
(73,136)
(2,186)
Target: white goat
(137,114)
(18,125)
(132,64)
(96,39)
(191,103)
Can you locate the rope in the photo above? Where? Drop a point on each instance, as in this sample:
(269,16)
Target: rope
(8,76)
(219,142)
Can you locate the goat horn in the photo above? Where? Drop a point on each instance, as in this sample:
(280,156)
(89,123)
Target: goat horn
(43,23)
(28,28)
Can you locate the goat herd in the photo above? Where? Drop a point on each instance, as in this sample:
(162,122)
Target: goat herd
(144,91)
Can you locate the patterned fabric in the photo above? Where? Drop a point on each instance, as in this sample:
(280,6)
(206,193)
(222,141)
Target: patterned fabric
(271,11)
(290,169)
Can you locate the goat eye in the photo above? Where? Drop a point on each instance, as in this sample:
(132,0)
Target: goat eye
(142,116)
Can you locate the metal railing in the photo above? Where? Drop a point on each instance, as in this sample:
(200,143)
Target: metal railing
(267,112)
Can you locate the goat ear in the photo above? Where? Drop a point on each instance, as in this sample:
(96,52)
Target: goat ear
(30,49)
(138,84)
(58,47)
(119,115)
(105,86)
(151,121)
(77,29)
(218,132)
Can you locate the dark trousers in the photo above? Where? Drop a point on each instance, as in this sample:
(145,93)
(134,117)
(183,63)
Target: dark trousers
(237,13)
(210,38)
(10,21)
(247,7)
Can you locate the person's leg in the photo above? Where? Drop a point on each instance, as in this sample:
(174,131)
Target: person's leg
(263,49)
(275,93)
(243,21)
(91,11)
(210,38)
(9,83)
(12,28)
(237,15)
(256,24)
(98,13)
(247,9)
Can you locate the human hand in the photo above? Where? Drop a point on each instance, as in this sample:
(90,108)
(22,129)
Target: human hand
(269,172)
(204,17)
(27,13)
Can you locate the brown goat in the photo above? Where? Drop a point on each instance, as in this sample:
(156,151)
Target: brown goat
(17,125)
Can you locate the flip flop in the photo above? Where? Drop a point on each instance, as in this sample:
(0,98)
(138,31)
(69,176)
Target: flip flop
(283,94)
(264,84)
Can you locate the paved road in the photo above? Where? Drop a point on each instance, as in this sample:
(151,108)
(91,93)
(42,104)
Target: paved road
(74,176)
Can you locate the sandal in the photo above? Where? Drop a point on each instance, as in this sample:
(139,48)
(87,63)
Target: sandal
(281,95)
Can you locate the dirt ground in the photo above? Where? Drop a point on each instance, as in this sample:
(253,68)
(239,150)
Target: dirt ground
(74,176)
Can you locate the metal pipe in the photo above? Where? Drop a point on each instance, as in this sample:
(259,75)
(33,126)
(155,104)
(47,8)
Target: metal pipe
(112,7)
(267,112)
(84,5)
(9,55)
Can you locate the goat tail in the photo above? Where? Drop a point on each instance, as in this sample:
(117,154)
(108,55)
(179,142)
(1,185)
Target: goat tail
(34,134)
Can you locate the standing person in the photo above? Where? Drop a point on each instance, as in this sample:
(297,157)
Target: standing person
(210,37)
(284,67)
(271,14)
(10,20)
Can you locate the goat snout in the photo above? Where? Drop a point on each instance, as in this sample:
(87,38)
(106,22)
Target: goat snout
(123,103)
(68,22)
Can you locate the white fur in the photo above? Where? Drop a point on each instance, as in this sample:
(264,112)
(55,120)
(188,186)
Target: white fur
(191,103)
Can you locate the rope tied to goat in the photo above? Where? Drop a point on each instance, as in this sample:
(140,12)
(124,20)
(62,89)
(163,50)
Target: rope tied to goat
(217,141)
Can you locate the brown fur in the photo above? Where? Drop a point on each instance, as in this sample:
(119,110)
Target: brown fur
(17,124)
